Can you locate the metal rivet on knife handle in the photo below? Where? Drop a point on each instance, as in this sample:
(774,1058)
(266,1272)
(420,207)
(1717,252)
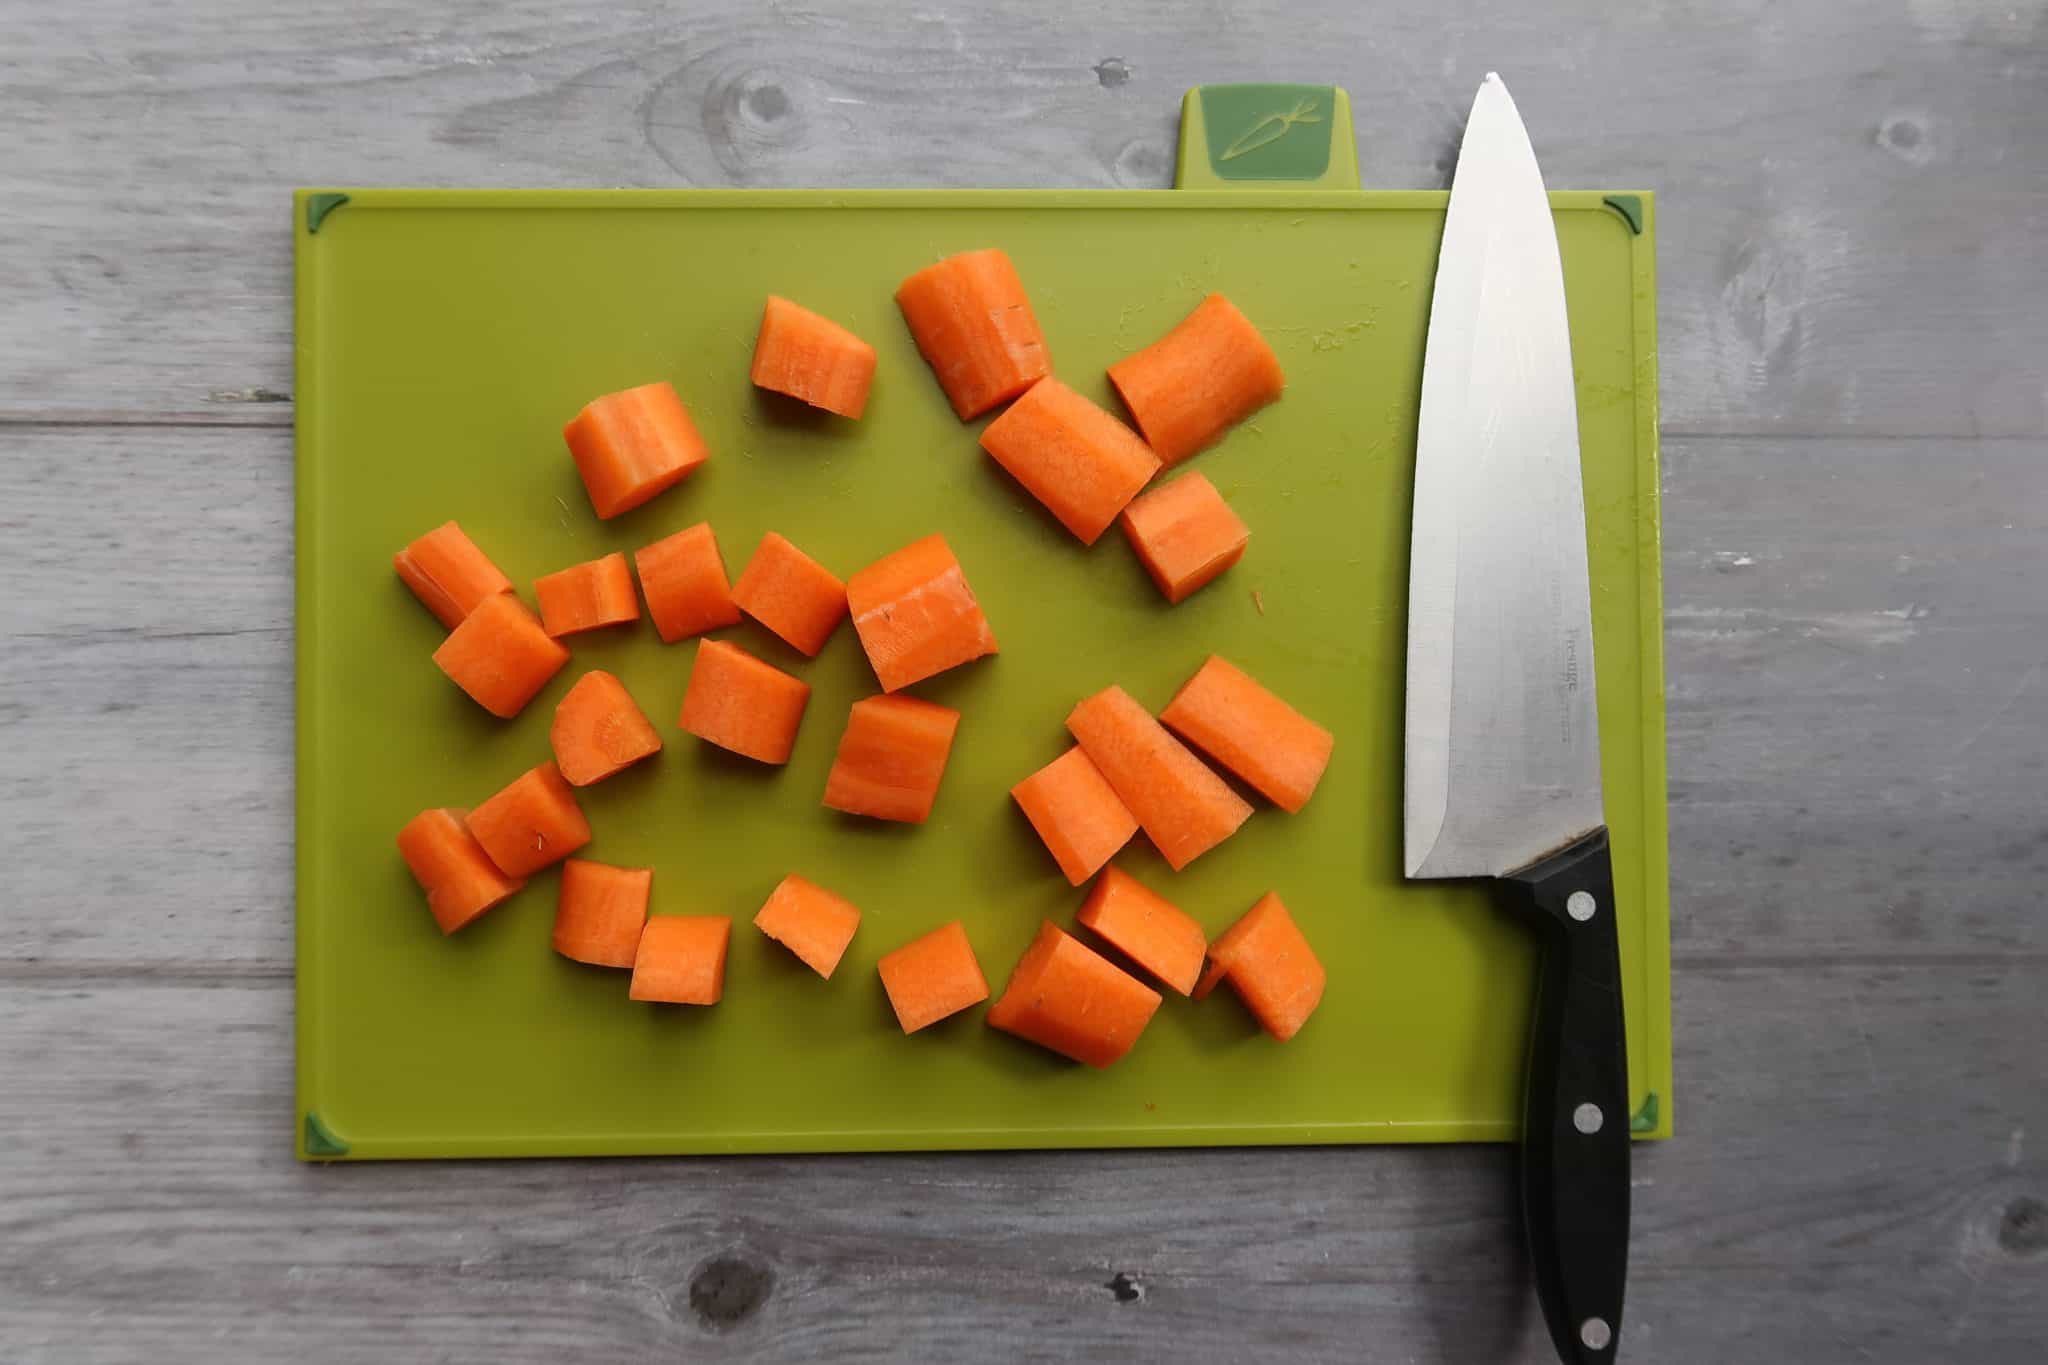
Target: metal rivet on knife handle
(1595,1333)
(1580,906)
(1587,1118)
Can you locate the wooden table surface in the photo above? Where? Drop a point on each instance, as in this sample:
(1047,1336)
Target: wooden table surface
(1854,316)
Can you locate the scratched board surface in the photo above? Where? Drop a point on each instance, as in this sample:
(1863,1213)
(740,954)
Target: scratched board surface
(443,339)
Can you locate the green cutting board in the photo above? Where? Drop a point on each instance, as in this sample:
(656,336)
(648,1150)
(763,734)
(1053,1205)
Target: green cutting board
(443,339)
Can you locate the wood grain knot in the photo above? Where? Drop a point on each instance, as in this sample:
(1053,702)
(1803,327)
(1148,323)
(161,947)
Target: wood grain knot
(2024,1229)
(1126,1288)
(727,1290)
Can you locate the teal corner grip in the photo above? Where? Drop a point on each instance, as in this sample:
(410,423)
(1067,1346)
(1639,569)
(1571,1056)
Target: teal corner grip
(318,206)
(1630,207)
(1645,1120)
(320,1142)
(1295,137)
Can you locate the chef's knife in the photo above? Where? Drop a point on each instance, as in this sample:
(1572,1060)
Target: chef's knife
(1503,752)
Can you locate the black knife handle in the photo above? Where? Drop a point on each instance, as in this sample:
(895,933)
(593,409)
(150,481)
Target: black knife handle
(1575,1115)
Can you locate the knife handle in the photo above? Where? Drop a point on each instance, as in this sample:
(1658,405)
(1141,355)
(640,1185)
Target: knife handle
(1575,1121)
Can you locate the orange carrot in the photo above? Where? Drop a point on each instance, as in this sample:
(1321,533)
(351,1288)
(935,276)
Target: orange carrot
(500,655)
(449,575)
(932,978)
(792,594)
(1270,966)
(810,921)
(1226,714)
(632,445)
(739,703)
(1076,813)
(532,823)
(973,323)
(459,878)
(601,912)
(1083,464)
(681,960)
(586,596)
(683,578)
(916,615)
(1185,534)
(813,359)
(598,730)
(1202,378)
(1146,928)
(1185,809)
(891,758)
(1067,997)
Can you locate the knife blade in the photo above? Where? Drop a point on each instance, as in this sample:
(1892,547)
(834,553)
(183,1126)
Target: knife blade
(1502,754)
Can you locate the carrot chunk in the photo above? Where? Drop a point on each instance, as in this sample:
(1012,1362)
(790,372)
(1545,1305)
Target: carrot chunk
(1226,714)
(1077,813)
(932,978)
(1185,534)
(449,575)
(1269,964)
(601,912)
(1147,928)
(974,325)
(500,655)
(1083,464)
(598,730)
(915,614)
(586,596)
(812,358)
(740,703)
(892,758)
(810,921)
(1205,376)
(631,445)
(681,960)
(532,823)
(1067,997)
(683,579)
(1184,808)
(792,594)
(459,878)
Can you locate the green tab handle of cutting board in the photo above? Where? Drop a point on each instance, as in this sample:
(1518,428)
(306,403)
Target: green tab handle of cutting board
(1266,137)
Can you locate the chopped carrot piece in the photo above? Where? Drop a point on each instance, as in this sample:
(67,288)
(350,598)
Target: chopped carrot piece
(916,615)
(586,596)
(1184,808)
(601,912)
(892,758)
(810,921)
(1083,464)
(500,655)
(598,730)
(632,445)
(933,978)
(1226,714)
(533,823)
(449,575)
(1205,376)
(1185,534)
(1067,997)
(459,878)
(792,594)
(740,703)
(812,358)
(1271,967)
(683,578)
(973,323)
(1076,813)
(1147,928)
(681,960)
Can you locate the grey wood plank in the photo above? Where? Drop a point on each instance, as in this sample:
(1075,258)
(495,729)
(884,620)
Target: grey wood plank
(1851,222)
(1857,1151)
(1855,677)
